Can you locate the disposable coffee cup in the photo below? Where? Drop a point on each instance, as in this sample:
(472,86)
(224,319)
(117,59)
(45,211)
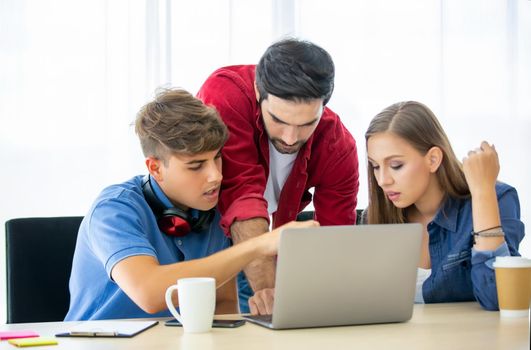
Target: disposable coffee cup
(513,284)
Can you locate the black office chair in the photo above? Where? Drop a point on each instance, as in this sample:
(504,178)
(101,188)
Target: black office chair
(39,255)
(308,215)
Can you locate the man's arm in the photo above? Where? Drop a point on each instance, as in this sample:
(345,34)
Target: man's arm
(335,198)
(260,272)
(244,174)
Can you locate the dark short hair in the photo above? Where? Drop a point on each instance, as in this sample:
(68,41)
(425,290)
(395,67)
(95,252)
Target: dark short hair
(295,70)
(177,122)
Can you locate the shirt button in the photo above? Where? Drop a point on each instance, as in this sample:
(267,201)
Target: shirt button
(179,242)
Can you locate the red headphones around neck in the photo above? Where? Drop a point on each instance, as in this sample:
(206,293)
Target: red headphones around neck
(175,221)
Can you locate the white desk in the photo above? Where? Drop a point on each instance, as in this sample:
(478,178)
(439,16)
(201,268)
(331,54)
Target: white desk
(435,326)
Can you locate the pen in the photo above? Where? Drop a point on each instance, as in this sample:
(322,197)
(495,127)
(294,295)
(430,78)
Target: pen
(94,334)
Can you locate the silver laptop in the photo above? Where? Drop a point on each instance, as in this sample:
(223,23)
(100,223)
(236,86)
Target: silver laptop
(344,275)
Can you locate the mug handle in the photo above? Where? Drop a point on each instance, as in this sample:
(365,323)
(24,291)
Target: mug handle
(169,303)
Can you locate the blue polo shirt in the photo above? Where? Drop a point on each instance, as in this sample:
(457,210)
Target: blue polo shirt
(459,272)
(119,225)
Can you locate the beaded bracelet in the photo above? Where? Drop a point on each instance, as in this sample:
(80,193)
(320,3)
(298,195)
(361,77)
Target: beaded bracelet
(495,231)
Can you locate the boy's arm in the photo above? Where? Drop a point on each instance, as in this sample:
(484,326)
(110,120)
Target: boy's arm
(145,281)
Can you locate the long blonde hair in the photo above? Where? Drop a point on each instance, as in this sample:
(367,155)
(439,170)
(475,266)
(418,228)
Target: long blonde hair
(415,123)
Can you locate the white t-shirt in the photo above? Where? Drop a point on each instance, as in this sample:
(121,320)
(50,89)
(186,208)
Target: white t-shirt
(422,275)
(280,166)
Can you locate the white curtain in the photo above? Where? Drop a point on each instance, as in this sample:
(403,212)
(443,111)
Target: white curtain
(73,74)
(469,61)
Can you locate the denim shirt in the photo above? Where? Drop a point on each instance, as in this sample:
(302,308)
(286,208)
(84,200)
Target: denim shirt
(459,272)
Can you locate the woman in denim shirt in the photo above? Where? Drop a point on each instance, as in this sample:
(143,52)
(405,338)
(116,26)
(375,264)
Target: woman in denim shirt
(468,217)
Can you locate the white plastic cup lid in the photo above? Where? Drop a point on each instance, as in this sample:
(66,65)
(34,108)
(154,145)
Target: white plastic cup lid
(512,261)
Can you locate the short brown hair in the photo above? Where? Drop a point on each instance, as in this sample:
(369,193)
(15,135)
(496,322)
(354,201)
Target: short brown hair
(177,122)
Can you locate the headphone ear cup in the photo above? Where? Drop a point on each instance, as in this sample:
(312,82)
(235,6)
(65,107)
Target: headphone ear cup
(174,222)
(174,226)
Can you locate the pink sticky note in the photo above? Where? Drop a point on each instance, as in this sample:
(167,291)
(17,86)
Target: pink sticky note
(17,334)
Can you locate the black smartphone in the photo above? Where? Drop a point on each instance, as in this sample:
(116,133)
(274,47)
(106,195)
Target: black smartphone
(216,323)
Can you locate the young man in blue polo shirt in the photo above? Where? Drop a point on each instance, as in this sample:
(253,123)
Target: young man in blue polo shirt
(142,235)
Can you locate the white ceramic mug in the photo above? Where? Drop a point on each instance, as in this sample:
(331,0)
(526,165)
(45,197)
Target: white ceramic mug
(197,301)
